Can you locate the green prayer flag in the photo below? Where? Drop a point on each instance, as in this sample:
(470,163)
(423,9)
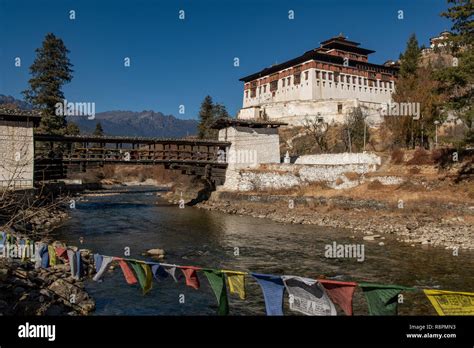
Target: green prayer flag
(217,281)
(144,275)
(382,299)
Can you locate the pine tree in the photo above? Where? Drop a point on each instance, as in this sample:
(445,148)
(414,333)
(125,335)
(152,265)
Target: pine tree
(410,58)
(206,117)
(72,129)
(457,81)
(99,131)
(50,71)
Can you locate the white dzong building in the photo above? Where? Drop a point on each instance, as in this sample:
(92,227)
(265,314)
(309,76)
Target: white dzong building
(324,83)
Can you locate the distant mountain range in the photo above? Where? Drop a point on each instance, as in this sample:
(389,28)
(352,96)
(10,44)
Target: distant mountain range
(127,123)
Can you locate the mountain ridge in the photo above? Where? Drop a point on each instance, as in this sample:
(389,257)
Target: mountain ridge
(146,123)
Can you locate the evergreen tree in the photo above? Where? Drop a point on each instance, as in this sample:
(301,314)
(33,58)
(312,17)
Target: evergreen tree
(415,84)
(72,129)
(220,111)
(410,58)
(457,81)
(206,117)
(50,71)
(99,131)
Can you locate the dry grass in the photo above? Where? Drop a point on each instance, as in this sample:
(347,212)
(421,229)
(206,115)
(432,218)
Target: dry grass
(352,176)
(397,156)
(375,185)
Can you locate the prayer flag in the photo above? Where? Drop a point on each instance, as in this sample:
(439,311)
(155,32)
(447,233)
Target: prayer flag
(217,281)
(272,288)
(79,269)
(97,261)
(143,272)
(161,271)
(72,261)
(190,274)
(127,272)
(308,296)
(43,253)
(340,293)
(236,282)
(451,302)
(62,252)
(52,255)
(106,260)
(382,299)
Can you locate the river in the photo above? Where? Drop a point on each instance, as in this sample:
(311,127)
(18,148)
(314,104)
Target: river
(190,236)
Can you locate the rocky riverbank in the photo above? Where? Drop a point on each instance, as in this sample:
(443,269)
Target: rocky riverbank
(26,290)
(440,226)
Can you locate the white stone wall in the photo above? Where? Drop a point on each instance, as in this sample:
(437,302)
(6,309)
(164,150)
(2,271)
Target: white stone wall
(330,171)
(294,113)
(286,176)
(251,146)
(16,156)
(340,158)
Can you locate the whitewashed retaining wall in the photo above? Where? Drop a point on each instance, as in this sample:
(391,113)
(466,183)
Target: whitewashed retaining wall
(329,169)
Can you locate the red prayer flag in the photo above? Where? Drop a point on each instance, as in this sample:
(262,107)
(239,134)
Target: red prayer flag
(127,272)
(61,252)
(340,293)
(191,276)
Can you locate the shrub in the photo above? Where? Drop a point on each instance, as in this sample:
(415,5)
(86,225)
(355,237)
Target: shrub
(352,176)
(397,156)
(375,185)
(420,157)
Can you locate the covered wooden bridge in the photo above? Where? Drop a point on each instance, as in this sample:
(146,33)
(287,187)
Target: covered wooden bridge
(77,153)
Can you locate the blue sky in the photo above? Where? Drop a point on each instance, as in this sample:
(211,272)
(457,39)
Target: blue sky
(176,62)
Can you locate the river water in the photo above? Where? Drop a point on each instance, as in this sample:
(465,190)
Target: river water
(191,236)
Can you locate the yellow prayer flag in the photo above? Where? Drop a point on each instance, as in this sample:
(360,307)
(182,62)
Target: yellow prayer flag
(52,255)
(148,278)
(451,302)
(236,281)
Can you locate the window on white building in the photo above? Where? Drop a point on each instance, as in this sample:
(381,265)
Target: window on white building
(306,73)
(283,82)
(339,108)
(296,79)
(273,85)
(324,75)
(317,74)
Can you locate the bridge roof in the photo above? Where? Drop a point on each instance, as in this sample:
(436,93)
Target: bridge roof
(129,140)
(225,122)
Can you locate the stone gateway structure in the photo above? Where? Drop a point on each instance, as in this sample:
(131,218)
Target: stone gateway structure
(324,83)
(251,142)
(17,148)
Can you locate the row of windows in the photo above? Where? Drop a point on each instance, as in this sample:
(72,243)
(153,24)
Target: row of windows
(323,75)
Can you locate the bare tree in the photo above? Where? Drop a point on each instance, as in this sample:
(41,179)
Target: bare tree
(353,131)
(317,129)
